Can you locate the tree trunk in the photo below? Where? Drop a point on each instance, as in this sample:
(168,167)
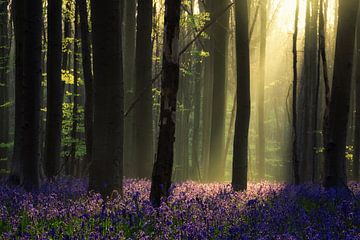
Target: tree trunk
(129,85)
(4,83)
(143,73)
(356,163)
(219,34)
(54,94)
(260,95)
(106,170)
(336,121)
(15,176)
(75,94)
(295,160)
(308,96)
(88,78)
(32,87)
(240,152)
(162,172)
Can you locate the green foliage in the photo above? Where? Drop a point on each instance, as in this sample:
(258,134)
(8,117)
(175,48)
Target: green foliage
(67,139)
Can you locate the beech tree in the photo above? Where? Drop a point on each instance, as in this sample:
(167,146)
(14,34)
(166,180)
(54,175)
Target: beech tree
(143,128)
(336,120)
(240,156)
(106,171)
(162,171)
(54,85)
(30,155)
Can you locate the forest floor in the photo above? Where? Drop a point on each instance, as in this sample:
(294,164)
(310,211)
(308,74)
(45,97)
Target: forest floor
(194,211)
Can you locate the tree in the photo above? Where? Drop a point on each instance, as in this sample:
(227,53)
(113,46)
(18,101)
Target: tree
(260,95)
(356,164)
(16,164)
(219,34)
(129,43)
(75,164)
(162,171)
(4,83)
(54,93)
(295,160)
(308,95)
(31,94)
(106,168)
(335,125)
(240,152)
(143,73)
(88,77)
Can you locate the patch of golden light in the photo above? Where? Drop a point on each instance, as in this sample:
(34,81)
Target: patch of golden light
(286,13)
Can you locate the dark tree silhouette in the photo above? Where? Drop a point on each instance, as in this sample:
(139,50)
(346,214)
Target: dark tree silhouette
(162,172)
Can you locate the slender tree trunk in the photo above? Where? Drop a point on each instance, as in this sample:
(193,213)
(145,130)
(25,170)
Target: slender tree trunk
(295,160)
(143,111)
(196,146)
(162,172)
(88,78)
(54,94)
(336,121)
(206,98)
(308,96)
(219,34)
(67,42)
(356,163)
(129,84)
(32,87)
(15,176)
(75,114)
(260,95)
(4,83)
(240,152)
(106,170)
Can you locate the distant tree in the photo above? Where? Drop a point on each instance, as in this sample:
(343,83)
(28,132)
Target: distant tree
(30,154)
(336,120)
(106,171)
(15,176)
(88,77)
(260,145)
(240,151)
(54,86)
(308,95)
(219,34)
(356,164)
(75,164)
(143,73)
(4,82)
(129,43)
(162,172)
(295,160)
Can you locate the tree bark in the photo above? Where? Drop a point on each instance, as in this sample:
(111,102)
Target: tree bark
(54,94)
(308,96)
(219,34)
(356,163)
(32,87)
(4,83)
(129,85)
(162,172)
(295,160)
(75,164)
(240,152)
(88,78)
(15,176)
(106,170)
(143,73)
(336,121)
(260,95)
